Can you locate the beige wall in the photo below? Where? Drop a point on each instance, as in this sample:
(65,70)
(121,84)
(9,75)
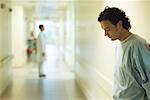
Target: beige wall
(5,47)
(92,51)
(95,52)
(69,37)
(18,36)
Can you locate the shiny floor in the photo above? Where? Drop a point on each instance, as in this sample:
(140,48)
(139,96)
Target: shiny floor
(59,84)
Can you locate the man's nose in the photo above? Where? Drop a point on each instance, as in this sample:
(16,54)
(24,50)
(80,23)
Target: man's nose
(105,33)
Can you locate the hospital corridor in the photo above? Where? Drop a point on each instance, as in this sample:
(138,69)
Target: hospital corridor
(79,60)
(59,84)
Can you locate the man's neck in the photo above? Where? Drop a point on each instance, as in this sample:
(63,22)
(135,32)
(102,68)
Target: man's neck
(124,35)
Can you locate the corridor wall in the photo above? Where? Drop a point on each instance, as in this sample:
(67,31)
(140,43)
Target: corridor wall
(5,46)
(69,37)
(93,72)
(95,53)
(18,36)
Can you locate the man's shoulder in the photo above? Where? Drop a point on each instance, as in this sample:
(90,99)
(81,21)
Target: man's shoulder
(139,37)
(138,40)
(139,44)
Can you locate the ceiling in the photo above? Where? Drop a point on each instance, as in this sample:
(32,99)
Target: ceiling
(43,8)
(53,3)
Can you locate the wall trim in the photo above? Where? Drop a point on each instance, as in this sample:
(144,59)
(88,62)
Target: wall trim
(85,90)
(104,83)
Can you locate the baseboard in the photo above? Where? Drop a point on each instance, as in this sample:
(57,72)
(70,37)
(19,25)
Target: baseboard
(104,83)
(9,83)
(84,89)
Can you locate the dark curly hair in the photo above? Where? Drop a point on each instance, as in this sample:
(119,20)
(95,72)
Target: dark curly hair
(114,15)
(40,26)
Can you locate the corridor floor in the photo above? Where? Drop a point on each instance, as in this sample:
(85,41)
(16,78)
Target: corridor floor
(59,84)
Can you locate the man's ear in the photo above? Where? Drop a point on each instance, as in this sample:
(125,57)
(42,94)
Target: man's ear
(119,24)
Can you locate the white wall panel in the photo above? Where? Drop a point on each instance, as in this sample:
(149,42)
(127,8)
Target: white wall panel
(18,36)
(91,55)
(5,47)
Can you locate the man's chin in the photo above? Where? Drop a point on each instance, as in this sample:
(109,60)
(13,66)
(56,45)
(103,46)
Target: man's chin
(113,39)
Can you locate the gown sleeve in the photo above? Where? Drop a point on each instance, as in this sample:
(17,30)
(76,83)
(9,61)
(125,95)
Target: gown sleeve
(141,56)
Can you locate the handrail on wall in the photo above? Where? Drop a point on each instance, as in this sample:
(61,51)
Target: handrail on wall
(7,58)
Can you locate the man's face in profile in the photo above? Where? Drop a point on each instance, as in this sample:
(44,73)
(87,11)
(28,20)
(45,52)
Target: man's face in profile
(109,29)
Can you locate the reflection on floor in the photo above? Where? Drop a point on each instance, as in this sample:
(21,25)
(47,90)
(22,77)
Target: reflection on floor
(59,84)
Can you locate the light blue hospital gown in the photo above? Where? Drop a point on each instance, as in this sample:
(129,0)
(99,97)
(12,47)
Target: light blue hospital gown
(132,53)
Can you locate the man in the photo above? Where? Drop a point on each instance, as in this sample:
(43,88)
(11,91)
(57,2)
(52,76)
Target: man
(132,70)
(41,45)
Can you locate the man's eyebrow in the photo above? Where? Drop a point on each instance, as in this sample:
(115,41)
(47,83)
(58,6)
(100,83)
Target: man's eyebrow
(106,28)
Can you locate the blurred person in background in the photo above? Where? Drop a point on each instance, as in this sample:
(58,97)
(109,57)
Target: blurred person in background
(41,50)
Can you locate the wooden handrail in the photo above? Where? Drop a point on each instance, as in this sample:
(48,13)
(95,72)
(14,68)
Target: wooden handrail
(9,57)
